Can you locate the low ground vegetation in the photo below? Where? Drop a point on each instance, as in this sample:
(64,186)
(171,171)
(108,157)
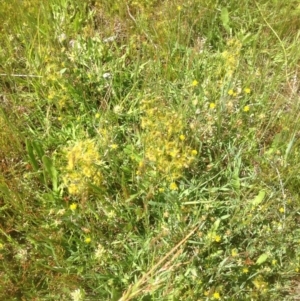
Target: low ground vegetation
(149,150)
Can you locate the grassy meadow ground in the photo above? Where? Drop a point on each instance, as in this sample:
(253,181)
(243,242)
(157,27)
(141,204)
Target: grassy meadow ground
(149,150)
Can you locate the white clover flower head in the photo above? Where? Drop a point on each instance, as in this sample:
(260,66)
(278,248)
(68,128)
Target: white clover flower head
(22,255)
(118,109)
(106,75)
(109,39)
(99,252)
(77,295)
(62,37)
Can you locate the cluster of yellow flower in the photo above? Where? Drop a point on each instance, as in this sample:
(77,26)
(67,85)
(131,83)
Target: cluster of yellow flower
(106,134)
(166,150)
(231,56)
(83,158)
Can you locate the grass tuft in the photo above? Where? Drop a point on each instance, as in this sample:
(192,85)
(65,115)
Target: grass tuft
(149,150)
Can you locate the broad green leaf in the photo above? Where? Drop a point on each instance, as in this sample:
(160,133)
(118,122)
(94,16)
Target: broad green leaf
(289,147)
(50,171)
(225,216)
(259,198)
(224,16)
(38,149)
(236,184)
(31,155)
(262,258)
(216,225)
(225,19)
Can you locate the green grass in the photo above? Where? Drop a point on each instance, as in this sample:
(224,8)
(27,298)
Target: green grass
(149,150)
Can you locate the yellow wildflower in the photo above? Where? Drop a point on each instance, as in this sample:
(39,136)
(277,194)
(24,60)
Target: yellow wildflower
(212,105)
(81,169)
(260,284)
(182,137)
(217,238)
(194,152)
(87,240)
(281,210)
(173,153)
(195,83)
(97,116)
(173,186)
(114,146)
(230,92)
(234,253)
(247,90)
(246,108)
(179,8)
(245,270)
(216,296)
(73,206)
(73,189)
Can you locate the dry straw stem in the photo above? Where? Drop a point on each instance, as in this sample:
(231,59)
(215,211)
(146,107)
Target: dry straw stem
(280,42)
(20,75)
(136,288)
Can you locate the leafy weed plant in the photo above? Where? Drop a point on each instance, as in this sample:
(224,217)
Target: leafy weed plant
(149,150)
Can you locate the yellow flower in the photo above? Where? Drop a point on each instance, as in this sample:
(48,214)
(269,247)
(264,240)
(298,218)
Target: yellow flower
(73,206)
(260,284)
(246,108)
(87,240)
(230,92)
(247,90)
(281,210)
(194,152)
(234,253)
(161,189)
(173,186)
(245,270)
(216,296)
(73,189)
(182,137)
(195,83)
(173,153)
(179,8)
(274,261)
(212,105)
(114,146)
(217,238)
(97,116)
